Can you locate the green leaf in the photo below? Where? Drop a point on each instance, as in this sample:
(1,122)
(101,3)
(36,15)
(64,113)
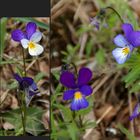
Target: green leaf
(13,85)
(2,133)
(39,76)
(89,47)
(19,71)
(34,125)
(84,111)
(56,74)
(13,117)
(70,53)
(3,22)
(135,87)
(60,135)
(67,113)
(84,29)
(29,19)
(100,56)
(129,135)
(73,131)
(89,124)
(132,76)
(33,120)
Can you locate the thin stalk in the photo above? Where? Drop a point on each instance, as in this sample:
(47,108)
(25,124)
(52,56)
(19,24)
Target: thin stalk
(23,97)
(73,115)
(75,68)
(115,13)
(22,115)
(80,121)
(130,110)
(24,63)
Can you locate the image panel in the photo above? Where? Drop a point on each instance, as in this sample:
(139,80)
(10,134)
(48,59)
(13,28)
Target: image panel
(24,76)
(95,69)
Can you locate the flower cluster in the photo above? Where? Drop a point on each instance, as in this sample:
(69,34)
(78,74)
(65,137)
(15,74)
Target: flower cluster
(27,85)
(126,43)
(78,88)
(29,39)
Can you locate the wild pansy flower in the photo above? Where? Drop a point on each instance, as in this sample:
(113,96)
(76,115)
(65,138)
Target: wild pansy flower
(29,39)
(27,85)
(126,43)
(99,20)
(136,112)
(78,88)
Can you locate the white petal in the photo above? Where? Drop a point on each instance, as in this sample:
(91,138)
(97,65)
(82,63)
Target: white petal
(37,50)
(119,55)
(36,37)
(24,43)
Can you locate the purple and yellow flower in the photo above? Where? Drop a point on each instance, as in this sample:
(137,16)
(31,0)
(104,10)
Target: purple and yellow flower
(27,85)
(29,39)
(78,88)
(136,112)
(126,43)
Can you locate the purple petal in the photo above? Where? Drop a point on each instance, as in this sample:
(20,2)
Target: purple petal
(32,93)
(68,94)
(28,80)
(33,89)
(68,80)
(127,28)
(34,86)
(79,104)
(17,35)
(86,90)
(25,83)
(30,29)
(18,78)
(132,36)
(136,112)
(84,76)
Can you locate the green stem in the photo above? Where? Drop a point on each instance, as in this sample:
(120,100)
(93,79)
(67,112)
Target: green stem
(23,116)
(24,65)
(74,68)
(73,115)
(24,113)
(21,109)
(23,98)
(115,13)
(80,121)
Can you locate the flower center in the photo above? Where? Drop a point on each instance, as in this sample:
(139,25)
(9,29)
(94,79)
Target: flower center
(78,95)
(31,45)
(125,51)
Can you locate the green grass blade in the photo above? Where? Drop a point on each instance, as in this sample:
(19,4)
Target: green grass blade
(129,135)
(40,24)
(3,22)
